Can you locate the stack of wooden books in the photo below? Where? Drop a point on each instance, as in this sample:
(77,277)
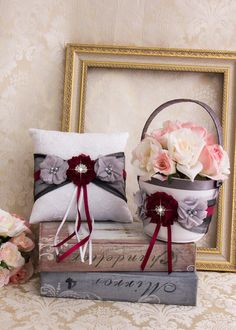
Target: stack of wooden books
(115,274)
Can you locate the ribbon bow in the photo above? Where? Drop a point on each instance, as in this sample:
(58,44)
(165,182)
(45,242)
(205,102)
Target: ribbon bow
(81,173)
(52,172)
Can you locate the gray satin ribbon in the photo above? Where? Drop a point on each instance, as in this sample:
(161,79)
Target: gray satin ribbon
(41,188)
(175,101)
(177,183)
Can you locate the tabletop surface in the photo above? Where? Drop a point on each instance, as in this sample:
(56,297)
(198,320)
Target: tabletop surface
(21,307)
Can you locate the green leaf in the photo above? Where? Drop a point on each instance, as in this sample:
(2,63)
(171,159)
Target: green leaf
(4,265)
(4,239)
(170,178)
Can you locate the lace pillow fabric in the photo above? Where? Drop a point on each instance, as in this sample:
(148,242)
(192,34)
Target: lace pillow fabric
(69,165)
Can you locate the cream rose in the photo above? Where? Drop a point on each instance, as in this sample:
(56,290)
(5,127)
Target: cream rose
(11,256)
(144,154)
(10,225)
(185,147)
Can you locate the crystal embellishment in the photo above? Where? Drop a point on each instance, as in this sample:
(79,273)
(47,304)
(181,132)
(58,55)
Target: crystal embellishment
(191,213)
(160,210)
(109,169)
(53,170)
(81,168)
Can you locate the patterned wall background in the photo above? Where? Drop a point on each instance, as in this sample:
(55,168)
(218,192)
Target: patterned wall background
(33,34)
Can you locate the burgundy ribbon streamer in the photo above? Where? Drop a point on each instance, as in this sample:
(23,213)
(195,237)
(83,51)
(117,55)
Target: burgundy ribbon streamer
(169,250)
(79,223)
(151,245)
(89,222)
(210,211)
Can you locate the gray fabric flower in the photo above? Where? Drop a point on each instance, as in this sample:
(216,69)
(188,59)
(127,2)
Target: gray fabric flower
(192,212)
(109,168)
(53,170)
(140,199)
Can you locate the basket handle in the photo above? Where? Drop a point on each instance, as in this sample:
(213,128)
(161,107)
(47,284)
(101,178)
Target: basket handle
(202,104)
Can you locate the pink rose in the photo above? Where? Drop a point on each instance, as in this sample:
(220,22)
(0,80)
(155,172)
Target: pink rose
(201,131)
(164,164)
(215,162)
(4,276)
(24,243)
(23,274)
(10,255)
(161,134)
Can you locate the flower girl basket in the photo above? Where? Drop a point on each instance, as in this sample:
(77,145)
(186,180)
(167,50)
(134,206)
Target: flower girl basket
(180,189)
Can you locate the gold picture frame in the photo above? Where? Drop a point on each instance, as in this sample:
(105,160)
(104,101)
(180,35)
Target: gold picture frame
(87,64)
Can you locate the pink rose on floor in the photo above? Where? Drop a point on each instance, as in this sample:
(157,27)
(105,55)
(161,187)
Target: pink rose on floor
(10,225)
(23,274)
(26,223)
(24,243)
(215,162)
(143,156)
(161,134)
(4,276)
(164,164)
(10,255)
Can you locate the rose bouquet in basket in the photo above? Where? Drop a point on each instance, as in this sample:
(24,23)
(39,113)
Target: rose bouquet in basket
(183,150)
(15,244)
(180,168)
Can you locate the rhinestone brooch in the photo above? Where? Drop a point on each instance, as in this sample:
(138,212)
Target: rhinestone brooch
(160,210)
(81,168)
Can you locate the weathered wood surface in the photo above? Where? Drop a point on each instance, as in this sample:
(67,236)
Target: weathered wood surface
(116,247)
(153,287)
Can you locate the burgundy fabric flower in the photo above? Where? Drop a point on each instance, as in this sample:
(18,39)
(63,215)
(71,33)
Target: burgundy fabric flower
(81,170)
(162,208)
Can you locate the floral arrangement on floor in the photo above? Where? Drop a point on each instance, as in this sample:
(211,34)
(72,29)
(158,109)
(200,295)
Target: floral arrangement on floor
(183,150)
(16,243)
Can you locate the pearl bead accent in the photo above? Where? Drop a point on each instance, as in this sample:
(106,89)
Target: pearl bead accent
(191,213)
(109,169)
(53,170)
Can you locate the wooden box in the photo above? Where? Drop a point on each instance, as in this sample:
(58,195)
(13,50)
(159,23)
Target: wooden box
(152,287)
(117,247)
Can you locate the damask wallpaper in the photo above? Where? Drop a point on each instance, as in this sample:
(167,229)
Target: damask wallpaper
(33,34)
